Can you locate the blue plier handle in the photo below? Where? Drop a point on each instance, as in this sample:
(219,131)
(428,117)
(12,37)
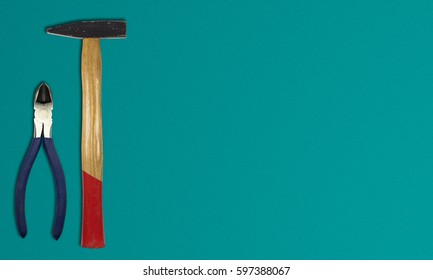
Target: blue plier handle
(43,105)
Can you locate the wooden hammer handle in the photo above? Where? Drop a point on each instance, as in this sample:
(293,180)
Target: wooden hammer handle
(92,235)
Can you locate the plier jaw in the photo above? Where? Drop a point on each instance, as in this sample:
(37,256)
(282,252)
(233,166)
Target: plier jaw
(43,106)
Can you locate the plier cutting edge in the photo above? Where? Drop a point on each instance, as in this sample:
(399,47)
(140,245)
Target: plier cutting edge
(43,105)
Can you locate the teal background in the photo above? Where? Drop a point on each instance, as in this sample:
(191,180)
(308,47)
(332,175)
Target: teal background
(232,129)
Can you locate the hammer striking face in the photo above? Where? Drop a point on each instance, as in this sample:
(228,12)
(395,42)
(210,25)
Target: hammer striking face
(92,231)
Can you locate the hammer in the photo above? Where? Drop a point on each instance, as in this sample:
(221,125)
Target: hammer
(92,230)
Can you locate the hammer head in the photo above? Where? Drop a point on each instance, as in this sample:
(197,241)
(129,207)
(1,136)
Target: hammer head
(91,29)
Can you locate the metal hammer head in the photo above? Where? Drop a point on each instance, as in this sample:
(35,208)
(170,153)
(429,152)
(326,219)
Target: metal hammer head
(91,29)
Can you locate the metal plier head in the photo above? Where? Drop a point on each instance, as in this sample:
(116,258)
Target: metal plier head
(43,105)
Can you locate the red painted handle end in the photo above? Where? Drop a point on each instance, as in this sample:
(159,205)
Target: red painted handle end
(92,231)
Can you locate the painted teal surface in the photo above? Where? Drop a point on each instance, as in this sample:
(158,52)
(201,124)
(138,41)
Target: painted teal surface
(232,129)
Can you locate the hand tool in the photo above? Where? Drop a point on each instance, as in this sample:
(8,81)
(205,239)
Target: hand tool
(43,105)
(92,232)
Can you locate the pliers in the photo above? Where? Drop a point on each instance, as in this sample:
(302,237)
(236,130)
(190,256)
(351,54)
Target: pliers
(43,105)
